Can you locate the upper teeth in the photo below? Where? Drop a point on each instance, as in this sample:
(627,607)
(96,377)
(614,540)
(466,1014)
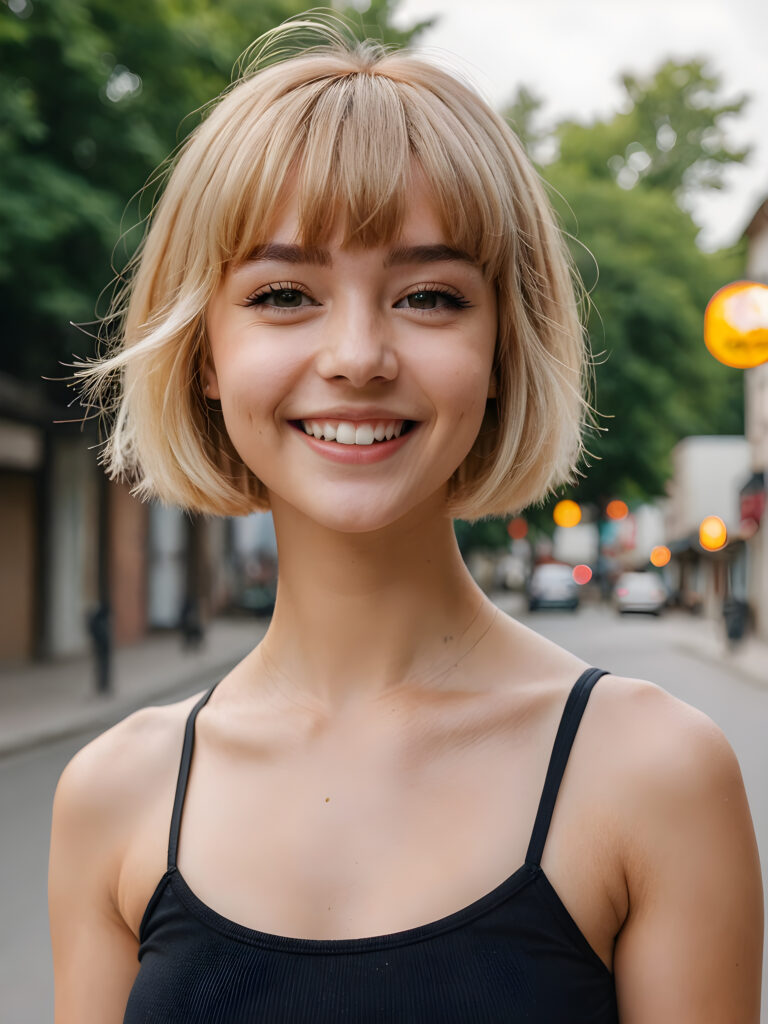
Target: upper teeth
(345,432)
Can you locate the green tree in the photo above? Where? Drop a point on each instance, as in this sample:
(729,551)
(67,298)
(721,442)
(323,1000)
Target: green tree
(93,96)
(621,186)
(655,381)
(523,113)
(671,136)
(373,20)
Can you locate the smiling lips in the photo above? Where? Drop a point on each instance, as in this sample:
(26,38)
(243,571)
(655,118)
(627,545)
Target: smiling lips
(347,432)
(355,442)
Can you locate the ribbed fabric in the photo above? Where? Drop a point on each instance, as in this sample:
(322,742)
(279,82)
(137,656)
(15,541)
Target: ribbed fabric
(515,955)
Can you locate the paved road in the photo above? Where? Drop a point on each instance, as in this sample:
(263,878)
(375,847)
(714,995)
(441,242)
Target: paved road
(628,646)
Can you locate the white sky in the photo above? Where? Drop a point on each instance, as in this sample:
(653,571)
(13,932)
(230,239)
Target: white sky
(571,52)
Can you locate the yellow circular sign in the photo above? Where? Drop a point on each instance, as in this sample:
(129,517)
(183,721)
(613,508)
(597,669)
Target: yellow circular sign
(736,324)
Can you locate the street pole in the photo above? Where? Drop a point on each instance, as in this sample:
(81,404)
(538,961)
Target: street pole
(100,624)
(192,629)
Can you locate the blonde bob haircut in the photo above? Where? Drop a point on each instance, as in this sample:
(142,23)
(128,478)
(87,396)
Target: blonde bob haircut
(346,123)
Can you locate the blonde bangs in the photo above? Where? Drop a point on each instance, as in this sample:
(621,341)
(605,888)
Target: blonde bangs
(347,144)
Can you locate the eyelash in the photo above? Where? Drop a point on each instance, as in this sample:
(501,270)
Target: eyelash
(455,299)
(258,298)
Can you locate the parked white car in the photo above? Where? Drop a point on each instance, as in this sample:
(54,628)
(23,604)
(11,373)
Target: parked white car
(552,586)
(640,592)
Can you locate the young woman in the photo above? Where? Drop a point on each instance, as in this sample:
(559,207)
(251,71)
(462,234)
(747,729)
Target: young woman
(353,307)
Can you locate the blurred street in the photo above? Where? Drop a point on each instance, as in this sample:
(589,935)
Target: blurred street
(681,653)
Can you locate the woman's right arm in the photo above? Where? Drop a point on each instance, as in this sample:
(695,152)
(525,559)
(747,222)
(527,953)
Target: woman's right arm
(94,950)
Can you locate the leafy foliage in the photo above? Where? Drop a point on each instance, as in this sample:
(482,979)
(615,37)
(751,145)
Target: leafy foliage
(655,381)
(93,96)
(522,113)
(671,136)
(374,21)
(488,534)
(620,187)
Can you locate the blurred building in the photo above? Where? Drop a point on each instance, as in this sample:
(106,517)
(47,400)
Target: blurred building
(49,501)
(79,554)
(576,544)
(626,543)
(708,472)
(66,534)
(25,458)
(753,491)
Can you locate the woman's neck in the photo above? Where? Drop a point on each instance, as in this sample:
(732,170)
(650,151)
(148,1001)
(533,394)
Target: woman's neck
(359,614)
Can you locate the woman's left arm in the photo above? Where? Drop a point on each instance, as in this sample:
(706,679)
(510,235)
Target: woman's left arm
(690,951)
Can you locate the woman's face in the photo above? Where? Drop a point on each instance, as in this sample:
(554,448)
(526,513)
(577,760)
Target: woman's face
(353,381)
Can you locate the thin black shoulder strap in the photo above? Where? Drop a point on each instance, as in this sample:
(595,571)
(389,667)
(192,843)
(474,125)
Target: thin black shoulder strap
(181,783)
(566,733)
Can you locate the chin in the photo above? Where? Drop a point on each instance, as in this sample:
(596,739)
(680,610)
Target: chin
(350,511)
(352,519)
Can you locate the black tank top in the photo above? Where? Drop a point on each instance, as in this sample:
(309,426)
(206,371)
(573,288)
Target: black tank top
(514,955)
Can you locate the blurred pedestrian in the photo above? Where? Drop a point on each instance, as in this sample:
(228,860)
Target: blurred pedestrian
(354,307)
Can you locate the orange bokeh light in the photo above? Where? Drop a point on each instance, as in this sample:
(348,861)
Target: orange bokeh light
(660,556)
(567,513)
(617,509)
(517,528)
(712,533)
(582,574)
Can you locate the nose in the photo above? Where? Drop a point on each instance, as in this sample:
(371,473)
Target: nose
(357,347)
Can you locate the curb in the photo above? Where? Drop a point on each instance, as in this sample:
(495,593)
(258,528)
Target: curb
(101,716)
(753,676)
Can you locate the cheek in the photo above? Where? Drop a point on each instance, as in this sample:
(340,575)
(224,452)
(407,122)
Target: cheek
(460,394)
(465,387)
(244,399)
(464,382)
(252,384)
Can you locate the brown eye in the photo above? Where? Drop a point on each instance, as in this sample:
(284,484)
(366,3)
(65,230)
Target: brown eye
(423,300)
(284,298)
(431,300)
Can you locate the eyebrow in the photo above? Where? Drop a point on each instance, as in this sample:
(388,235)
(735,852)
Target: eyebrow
(402,254)
(278,252)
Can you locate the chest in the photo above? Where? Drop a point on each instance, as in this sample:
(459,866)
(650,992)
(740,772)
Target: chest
(357,839)
(360,847)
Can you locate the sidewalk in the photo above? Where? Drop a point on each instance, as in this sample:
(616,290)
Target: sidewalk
(42,702)
(705,639)
(701,637)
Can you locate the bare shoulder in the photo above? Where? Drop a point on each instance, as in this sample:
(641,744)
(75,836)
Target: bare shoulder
(686,843)
(673,777)
(640,742)
(113,774)
(658,741)
(104,793)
